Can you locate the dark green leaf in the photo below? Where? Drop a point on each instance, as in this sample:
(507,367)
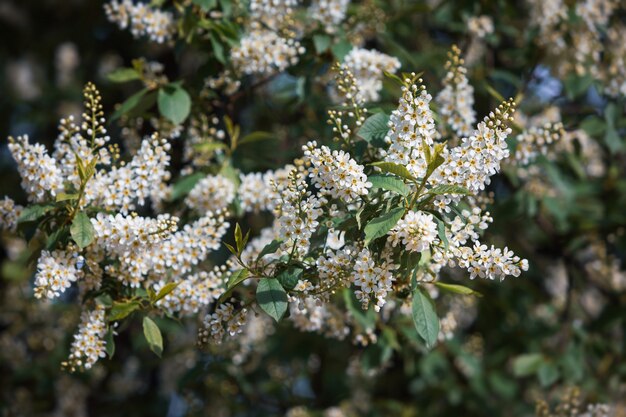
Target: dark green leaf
(270,248)
(425,317)
(34,212)
(121,310)
(375,129)
(109,343)
(185,184)
(132,102)
(272,298)
(389,183)
(341,49)
(381,225)
(289,277)
(448,189)
(122,75)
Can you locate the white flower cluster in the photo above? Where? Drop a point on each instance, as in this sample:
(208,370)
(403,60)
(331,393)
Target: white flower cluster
(597,410)
(272,12)
(478,157)
(411,128)
(123,188)
(490,262)
(194,292)
(465,250)
(225,319)
(258,192)
(143,20)
(189,246)
(456,99)
(536,141)
(212,193)
(297,214)
(372,279)
(41,176)
(9,213)
(329,13)
(335,173)
(264,52)
(368,67)
(89,344)
(56,271)
(314,316)
(416,231)
(480,26)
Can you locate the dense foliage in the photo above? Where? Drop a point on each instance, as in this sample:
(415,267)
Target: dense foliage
(326,207)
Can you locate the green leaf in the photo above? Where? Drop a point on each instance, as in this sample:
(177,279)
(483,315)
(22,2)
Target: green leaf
(208,147)
(272,298)
(167,288)
(425,317)
(494,93)
(381,225)
(185,184)
(55,237)
(218,49)
(396,169)
(174,103)
(257,137)
(548,373)
(448,189)
(375,129)
(527,364)
(34,212)
(236,278)
(109,346)
(441,232)
(206,4)
(132,102)
(82,230)
(389,183)
(321,42)
(457,289)
(122,75)
(341,49)
(238,238)
(270,248)
(289,277)
(64,197)
(152,333)
(576,85)
(121,310)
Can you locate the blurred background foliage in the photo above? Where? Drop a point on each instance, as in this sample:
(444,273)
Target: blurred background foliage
(561,324)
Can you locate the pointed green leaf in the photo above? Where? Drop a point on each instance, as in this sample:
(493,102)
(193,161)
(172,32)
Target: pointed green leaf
(34,212)
(395,169)
(375,129)
(381,225)
(272,298)
(270,248)
(152,333)
(122,75)
(167,288)
(121,310)
(389,183)
(174,103)
(82,230)
(457,289)
(448,189)
(425,317)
